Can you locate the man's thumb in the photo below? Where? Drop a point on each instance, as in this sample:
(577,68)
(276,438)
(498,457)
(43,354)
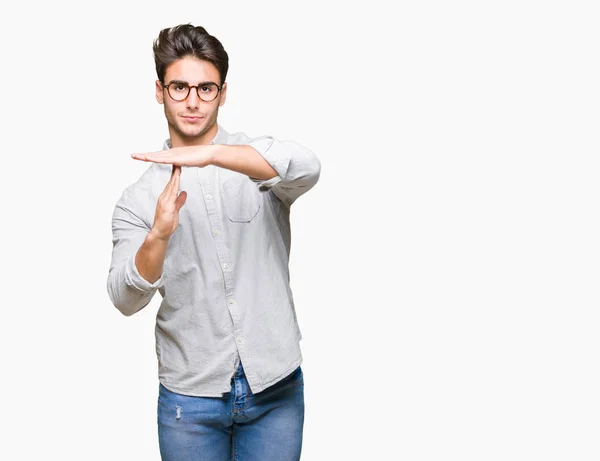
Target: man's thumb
(180,200)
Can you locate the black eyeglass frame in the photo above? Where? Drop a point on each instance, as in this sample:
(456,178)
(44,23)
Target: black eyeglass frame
(176,82)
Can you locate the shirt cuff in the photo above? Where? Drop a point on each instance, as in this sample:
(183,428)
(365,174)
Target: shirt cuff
(135,280)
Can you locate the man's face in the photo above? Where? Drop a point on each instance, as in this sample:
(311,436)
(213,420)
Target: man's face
(191,121)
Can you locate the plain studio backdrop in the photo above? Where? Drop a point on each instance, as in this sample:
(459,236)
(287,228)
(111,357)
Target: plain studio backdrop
(445,268)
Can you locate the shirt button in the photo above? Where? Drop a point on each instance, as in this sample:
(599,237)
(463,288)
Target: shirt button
(226,266)
(216,232)
(239,338)
(231,301)
(208,196)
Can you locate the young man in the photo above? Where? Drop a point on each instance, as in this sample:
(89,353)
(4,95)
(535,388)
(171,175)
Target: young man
(227,337)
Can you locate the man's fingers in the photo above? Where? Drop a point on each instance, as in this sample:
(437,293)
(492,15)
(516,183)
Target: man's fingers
(158,157)
(176,181)
(167,190)
(172,184)
(172,180)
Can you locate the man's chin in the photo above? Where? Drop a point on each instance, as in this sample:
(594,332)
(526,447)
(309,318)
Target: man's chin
(188,132)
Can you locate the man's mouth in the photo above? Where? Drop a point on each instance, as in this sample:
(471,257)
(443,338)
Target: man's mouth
(192,118)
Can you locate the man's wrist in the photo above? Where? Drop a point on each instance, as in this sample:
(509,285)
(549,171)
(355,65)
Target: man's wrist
(213,154)
(155,236)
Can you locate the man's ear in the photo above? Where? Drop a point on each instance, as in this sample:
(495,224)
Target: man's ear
(159,92)
(223,94)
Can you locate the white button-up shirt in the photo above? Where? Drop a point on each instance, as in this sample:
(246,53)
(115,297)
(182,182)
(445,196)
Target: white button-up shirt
(225,280)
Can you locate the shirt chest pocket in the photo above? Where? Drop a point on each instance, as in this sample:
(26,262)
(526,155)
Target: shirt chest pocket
(240,199)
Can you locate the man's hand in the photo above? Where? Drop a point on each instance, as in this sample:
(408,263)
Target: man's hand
(235,157)
(199,156)
(169,203)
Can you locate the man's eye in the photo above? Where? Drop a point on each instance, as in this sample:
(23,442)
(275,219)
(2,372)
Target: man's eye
(206,89)
(180,87)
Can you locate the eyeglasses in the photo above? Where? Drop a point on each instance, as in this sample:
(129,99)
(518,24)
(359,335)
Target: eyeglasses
(179,91)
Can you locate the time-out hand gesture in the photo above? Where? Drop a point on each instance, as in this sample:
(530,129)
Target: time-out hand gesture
(169,203)
(199,156)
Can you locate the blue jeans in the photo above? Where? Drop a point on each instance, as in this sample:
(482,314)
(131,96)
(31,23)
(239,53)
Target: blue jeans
(240,426)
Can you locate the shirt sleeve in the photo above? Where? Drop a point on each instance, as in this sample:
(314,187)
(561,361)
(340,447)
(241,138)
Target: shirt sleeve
(128,290)
(298,168)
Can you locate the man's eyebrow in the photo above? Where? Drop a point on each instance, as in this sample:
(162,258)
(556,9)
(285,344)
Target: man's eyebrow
(178,81)
(182,82)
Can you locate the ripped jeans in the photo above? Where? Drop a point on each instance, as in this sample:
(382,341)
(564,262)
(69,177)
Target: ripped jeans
(240,426)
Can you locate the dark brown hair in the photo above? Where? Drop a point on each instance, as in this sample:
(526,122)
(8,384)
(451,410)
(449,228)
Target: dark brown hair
(177,42)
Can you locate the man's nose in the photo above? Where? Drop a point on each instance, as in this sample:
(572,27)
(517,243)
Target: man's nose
(193,101)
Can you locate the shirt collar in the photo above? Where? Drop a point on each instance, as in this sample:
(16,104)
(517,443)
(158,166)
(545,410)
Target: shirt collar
(220,138)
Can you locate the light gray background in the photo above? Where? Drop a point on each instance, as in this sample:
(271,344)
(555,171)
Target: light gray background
(445,268)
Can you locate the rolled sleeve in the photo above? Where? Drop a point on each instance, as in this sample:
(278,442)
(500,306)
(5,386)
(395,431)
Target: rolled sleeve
(298,168)
(279,159)
(135,280)
(127,289)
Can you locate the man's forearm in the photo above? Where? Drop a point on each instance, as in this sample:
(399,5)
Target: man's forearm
(243,159)
(150,257)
